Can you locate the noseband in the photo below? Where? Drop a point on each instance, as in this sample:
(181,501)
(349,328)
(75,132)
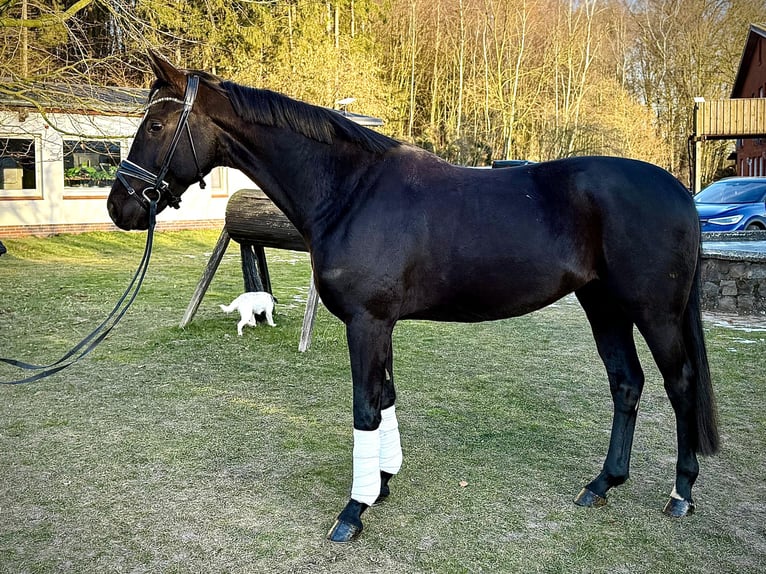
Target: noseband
(157,181)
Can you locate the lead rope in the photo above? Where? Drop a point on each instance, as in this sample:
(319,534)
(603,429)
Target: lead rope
(98,334)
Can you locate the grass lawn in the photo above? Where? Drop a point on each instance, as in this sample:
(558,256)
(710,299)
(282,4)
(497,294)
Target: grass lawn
(195,450)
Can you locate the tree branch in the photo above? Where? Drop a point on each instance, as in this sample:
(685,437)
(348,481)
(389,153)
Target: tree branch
(46,20)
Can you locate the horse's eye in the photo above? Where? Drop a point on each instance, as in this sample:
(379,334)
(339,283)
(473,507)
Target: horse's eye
(155,127)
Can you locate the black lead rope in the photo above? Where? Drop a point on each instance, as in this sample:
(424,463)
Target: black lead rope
(99,333)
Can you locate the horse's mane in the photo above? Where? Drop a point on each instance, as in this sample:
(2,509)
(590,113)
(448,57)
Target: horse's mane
(315,122)
(274,109)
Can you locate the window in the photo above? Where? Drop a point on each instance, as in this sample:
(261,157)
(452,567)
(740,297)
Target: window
(18,167)
(90,163)
(219,182)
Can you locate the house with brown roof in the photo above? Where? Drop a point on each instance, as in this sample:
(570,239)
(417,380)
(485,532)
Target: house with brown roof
(59,150)
(750,82)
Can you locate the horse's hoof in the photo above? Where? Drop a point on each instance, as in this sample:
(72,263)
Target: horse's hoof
(590,499)
(679,507)
(343,532)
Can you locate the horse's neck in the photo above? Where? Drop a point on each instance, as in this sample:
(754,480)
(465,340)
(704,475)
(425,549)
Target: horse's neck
(296,172)
(283,175)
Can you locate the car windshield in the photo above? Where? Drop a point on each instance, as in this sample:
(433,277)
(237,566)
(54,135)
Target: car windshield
(733,192)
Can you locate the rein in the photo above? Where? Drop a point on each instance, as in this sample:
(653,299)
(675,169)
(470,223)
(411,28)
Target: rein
(157,185)
(98,334)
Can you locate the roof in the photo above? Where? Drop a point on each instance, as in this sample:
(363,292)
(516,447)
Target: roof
(360,119)
(756,31)
(82,98)
(91,99)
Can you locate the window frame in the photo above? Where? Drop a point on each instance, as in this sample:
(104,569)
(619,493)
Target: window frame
(28,192)
(88,191)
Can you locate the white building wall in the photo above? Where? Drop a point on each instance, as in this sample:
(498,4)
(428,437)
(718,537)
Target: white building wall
(52,205)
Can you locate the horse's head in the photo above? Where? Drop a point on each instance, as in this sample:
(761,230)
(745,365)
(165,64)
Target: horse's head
(172,149)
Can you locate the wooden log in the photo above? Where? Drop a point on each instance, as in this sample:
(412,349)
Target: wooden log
(252,218)
(255,280)
(309,316)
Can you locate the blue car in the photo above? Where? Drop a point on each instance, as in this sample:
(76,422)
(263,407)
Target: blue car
(733,204)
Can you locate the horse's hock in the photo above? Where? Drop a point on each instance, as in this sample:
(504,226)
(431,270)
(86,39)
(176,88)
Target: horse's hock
(254,222)
(734,272)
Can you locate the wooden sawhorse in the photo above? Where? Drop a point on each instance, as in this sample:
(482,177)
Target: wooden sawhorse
(254,222)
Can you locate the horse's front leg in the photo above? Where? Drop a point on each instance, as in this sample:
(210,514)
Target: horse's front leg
(377,450)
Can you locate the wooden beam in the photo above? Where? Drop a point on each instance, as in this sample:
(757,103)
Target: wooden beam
(731,119)
(207,277)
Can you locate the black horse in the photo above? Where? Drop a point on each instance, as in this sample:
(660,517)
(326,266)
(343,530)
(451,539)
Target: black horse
(396,233)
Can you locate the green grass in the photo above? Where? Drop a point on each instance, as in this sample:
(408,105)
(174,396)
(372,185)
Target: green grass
(195,450)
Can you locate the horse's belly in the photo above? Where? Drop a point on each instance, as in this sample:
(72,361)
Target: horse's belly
(467,315)
(488,298)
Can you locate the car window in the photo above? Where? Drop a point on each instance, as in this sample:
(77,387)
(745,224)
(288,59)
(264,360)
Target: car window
(733,192)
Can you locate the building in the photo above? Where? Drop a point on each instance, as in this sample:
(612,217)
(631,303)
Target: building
(59,150)
(750,82)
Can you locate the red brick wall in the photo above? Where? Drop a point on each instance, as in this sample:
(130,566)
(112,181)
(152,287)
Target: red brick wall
(55,229)
(751,152)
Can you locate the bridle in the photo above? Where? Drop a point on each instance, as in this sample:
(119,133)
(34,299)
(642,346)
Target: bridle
(157,181)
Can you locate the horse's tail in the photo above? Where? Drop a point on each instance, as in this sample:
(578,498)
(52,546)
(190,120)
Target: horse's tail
(708,439)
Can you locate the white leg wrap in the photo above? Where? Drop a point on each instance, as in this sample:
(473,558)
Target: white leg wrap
(366,485)
(390,444)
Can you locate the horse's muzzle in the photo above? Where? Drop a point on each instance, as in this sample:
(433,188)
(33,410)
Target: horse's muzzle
(127,214)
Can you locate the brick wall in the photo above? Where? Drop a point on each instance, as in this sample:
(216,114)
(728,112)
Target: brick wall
(10,231)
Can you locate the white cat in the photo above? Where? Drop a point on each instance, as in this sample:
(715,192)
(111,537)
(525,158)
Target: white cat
(249,305)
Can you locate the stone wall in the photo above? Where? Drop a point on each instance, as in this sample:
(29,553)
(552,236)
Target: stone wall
(734,273)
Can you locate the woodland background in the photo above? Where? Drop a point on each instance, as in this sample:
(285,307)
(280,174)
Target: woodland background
(471,80)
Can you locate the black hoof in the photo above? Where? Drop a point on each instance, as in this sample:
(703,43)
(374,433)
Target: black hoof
(590,499)
(385,490)
(679,507)
(380,500)
(343,532)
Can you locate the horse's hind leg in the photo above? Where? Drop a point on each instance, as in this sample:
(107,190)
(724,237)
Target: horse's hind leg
(613,332)
(665,340)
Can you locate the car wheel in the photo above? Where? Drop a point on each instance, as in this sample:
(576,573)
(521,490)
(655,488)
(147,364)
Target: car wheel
(754,227)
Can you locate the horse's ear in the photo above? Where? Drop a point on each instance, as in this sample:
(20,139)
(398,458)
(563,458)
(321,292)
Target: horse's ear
(167,72)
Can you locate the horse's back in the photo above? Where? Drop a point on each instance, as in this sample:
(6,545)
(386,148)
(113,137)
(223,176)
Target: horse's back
(629,224)
(599,210)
